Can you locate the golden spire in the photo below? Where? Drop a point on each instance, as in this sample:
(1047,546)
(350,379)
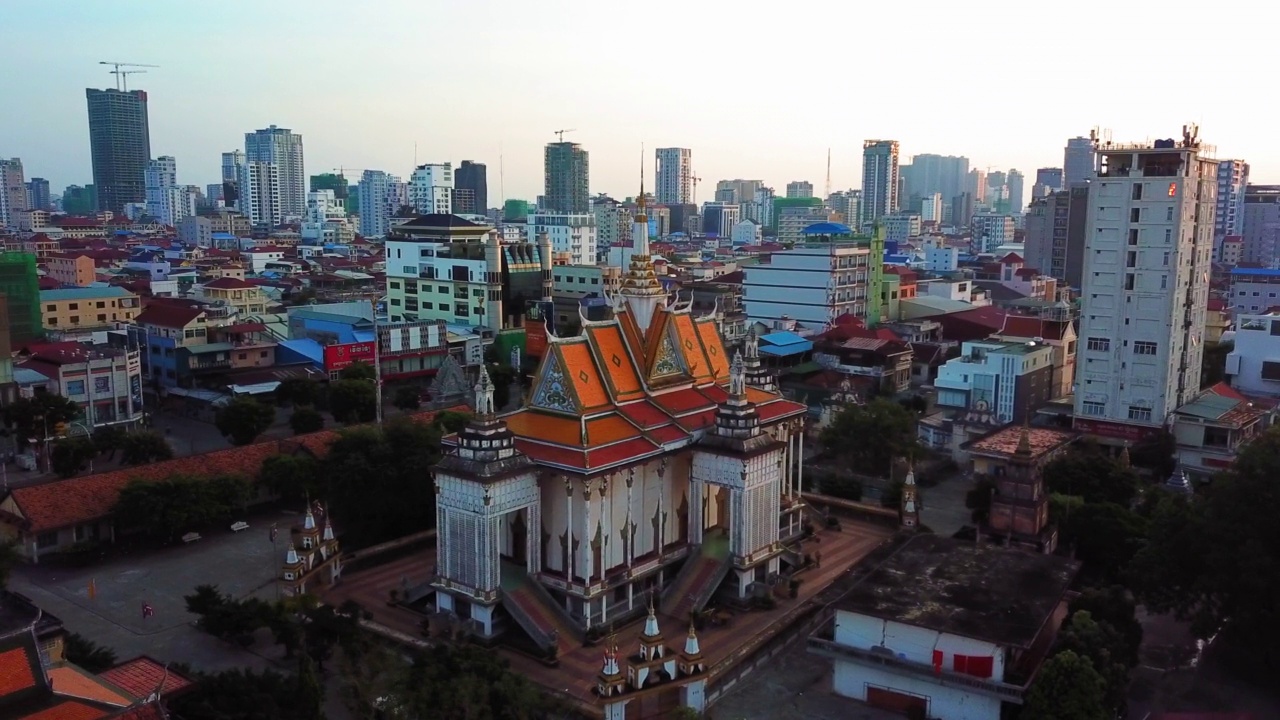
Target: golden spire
(640,216)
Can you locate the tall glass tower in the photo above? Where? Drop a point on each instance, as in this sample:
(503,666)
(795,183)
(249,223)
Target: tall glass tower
(120,146)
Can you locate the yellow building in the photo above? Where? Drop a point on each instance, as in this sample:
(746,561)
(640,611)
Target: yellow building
(245,297)
(76,269)
(90,308)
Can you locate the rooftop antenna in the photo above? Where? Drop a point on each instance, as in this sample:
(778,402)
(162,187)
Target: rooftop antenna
(502,175)
(826,192)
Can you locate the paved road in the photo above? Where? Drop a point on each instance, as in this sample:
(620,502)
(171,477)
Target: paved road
(944,511)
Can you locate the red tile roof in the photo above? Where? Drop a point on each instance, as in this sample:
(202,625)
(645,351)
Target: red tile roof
(228,283)
(48,283)
(68,710)
(141,676)
(15,671)
(1011,258)
(150,711)
(167,315)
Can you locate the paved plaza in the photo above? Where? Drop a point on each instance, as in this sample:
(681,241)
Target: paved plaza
(242,564)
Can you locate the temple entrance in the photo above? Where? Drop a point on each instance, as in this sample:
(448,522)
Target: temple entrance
(519,538)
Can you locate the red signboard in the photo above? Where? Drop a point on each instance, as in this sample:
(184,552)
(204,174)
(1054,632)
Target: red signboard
(1119,431)
(337,357)
(535,338)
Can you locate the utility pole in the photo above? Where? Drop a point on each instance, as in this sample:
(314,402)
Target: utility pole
(377,366)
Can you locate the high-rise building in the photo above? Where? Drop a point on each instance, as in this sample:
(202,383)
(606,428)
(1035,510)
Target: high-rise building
(931,208)
(120,146)
(161,175)
(848,203)
(737,191)
(1145,284)
(977,186)
(1233,178)
(674,172)
(431,189)
(1077,162)
(929,174)
(799,189)
(879,179)
(1013,187)
(282,147)
(231,161)
(259,186)
(20,284)
(78,200)
(13,192)
(38,197)
(1055,231)
(471,188)
(1261,226)
(381,195)
(567,175)
(719,218)
(1048,180)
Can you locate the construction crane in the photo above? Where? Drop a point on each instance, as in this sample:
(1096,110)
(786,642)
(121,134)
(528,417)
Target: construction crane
(560,134)
(695,180)
(122,76)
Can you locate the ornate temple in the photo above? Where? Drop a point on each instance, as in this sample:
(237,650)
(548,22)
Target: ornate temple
(312,560)
(647,468)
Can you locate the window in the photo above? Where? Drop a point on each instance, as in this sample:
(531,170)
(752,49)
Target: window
(442,289)
(1099,344)
(51,308)
(47,539)
(1093,408)
(1133,237)
(76,318)
(75,387)
(73,306)
(1131,259)
(1137,191)
(1129,281)
(1140,414)
(1168,235)
(1144,347)
(244,356)
(102,317)
(1135,215)
(1168,212)
(1173,189)
(444,307)
(101,305)
(1165,260)
(428,306)
(1164,282)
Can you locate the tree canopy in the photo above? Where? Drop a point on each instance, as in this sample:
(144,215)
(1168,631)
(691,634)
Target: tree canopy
(87,654)
(1092,475)
(358,370)
(407,398)
(179,504)
(868,438)
(143,447)
(71,455)
(353,401)
(245,695)
(1067,688)
(306,420)
(38,416)
(243,419)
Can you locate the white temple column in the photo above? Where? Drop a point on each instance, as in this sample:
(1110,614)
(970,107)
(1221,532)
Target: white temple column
(605,528)
(533,538)
(696,519)
(738,522)
(661,531)
(588,536)
(630,535)
(442,536)
(798,486)
(568,527)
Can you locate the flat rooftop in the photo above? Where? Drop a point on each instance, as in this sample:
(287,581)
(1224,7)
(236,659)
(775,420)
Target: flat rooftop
(983,592)
(1003,443)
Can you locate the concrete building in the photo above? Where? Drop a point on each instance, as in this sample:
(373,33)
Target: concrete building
(471,188)
(196,231)
(13,192)
(718,218)
(1145,284)
(1013,189)
(282,148)
(1228,217)
(244,298)
(929,174)
(941,259)
(1048,181)
(579,290)
(848,205)
(167,201)
(990,231)
(799,189)
(1055,234)
(1232,250)
(673,168)
(72,269)
(793,220)
(747,232)
(230,161)
(879,179)
(937,649)
(931,208)
(1254,362)
(574,234)
(900,226)
(1009,380)
(811,284)
(104,380)
(739,191)
(1077,162)
(1261,227)
(261,198)
(1211,429)
(431,189)
(1254,289)
(1058,334)
(567,179)
(381,195)
(38,197)
(120,146)
(326,220)
(77,310)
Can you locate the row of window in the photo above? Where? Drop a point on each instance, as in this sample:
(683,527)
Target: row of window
(581,280)
(412,289)
(1140,347)
(75,319)
(415,304)
(1097,409)
(100,304)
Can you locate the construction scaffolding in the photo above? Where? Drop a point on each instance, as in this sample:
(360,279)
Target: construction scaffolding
(21,285)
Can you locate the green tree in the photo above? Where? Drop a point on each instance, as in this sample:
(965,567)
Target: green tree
(353,401)
(143,447)
(39,416)
(306,420)
(358,370)
(298,391)
(451,421)
(978,499)
(407,399)
(292,477)
(71,455)
(1105,648)
(310,691)
(1114,606)
(1213,363)
(109,439)
(89,655)
(244,419)
(241,695)
(1156,453)
(9,558)
(178,504)
(1090,474)
(1105,537)
(1067,688)
(870,437)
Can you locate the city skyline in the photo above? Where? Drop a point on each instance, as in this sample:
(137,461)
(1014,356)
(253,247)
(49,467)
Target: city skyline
(198,110)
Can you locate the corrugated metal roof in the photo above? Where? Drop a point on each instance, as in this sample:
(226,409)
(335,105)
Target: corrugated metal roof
(85,293)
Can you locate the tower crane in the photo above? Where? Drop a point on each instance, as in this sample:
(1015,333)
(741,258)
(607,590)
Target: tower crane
(122,76)
(695,180)
(560,134)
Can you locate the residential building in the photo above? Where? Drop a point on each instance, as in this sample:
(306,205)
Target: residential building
(1261,226)
(746,232)
(674,173)
(13,192)
(811,284)
(260,199)
(739,191)
(931,209)
(1058,334)
(1232,250)
(1146,284)
(848,205)
(900,226)
(613,222)
(941,259)
(167,201)
(245,298)
(574,234)
(326,220)
(283,148)
(990,231)
(431,189)
(78,200)
(165,331)
(471,189)
(119,145)
(1013,188)
(927,174)
(1228,216)
(38,197)
(1077,162)
(718,218)
(20,284)
(381,196)
(799,189)
(938,649)
(72,269)
(1254,362)
(579,291)
(1010,380)
(104,380)
(879,179)
(852,349)
(977,186)
(793,220)
(567,174)
(1212,428)
(1048,181)
(75,310)
(231,161)
(1055,234)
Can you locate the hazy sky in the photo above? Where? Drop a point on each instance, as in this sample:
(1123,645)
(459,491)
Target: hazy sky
(756,89)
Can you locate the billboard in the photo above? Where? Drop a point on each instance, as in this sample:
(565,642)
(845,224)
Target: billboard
(338,357)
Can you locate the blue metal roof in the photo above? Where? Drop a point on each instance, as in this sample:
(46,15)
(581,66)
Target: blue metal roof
(787,350)
(84,293)
(782,337)
(1261,272)
(306,347)
(827,228)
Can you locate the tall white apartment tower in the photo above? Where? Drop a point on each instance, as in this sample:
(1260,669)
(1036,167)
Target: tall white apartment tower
(674,169)
(879,179)
(381,195)
(1148,245)
(282,147)
(260,193)
(431,189)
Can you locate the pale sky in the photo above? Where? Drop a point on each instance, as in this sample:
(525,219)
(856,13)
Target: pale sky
(756,89)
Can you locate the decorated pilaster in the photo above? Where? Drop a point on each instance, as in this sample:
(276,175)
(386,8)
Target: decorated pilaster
(693,693)
(910,511)
(757,375)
